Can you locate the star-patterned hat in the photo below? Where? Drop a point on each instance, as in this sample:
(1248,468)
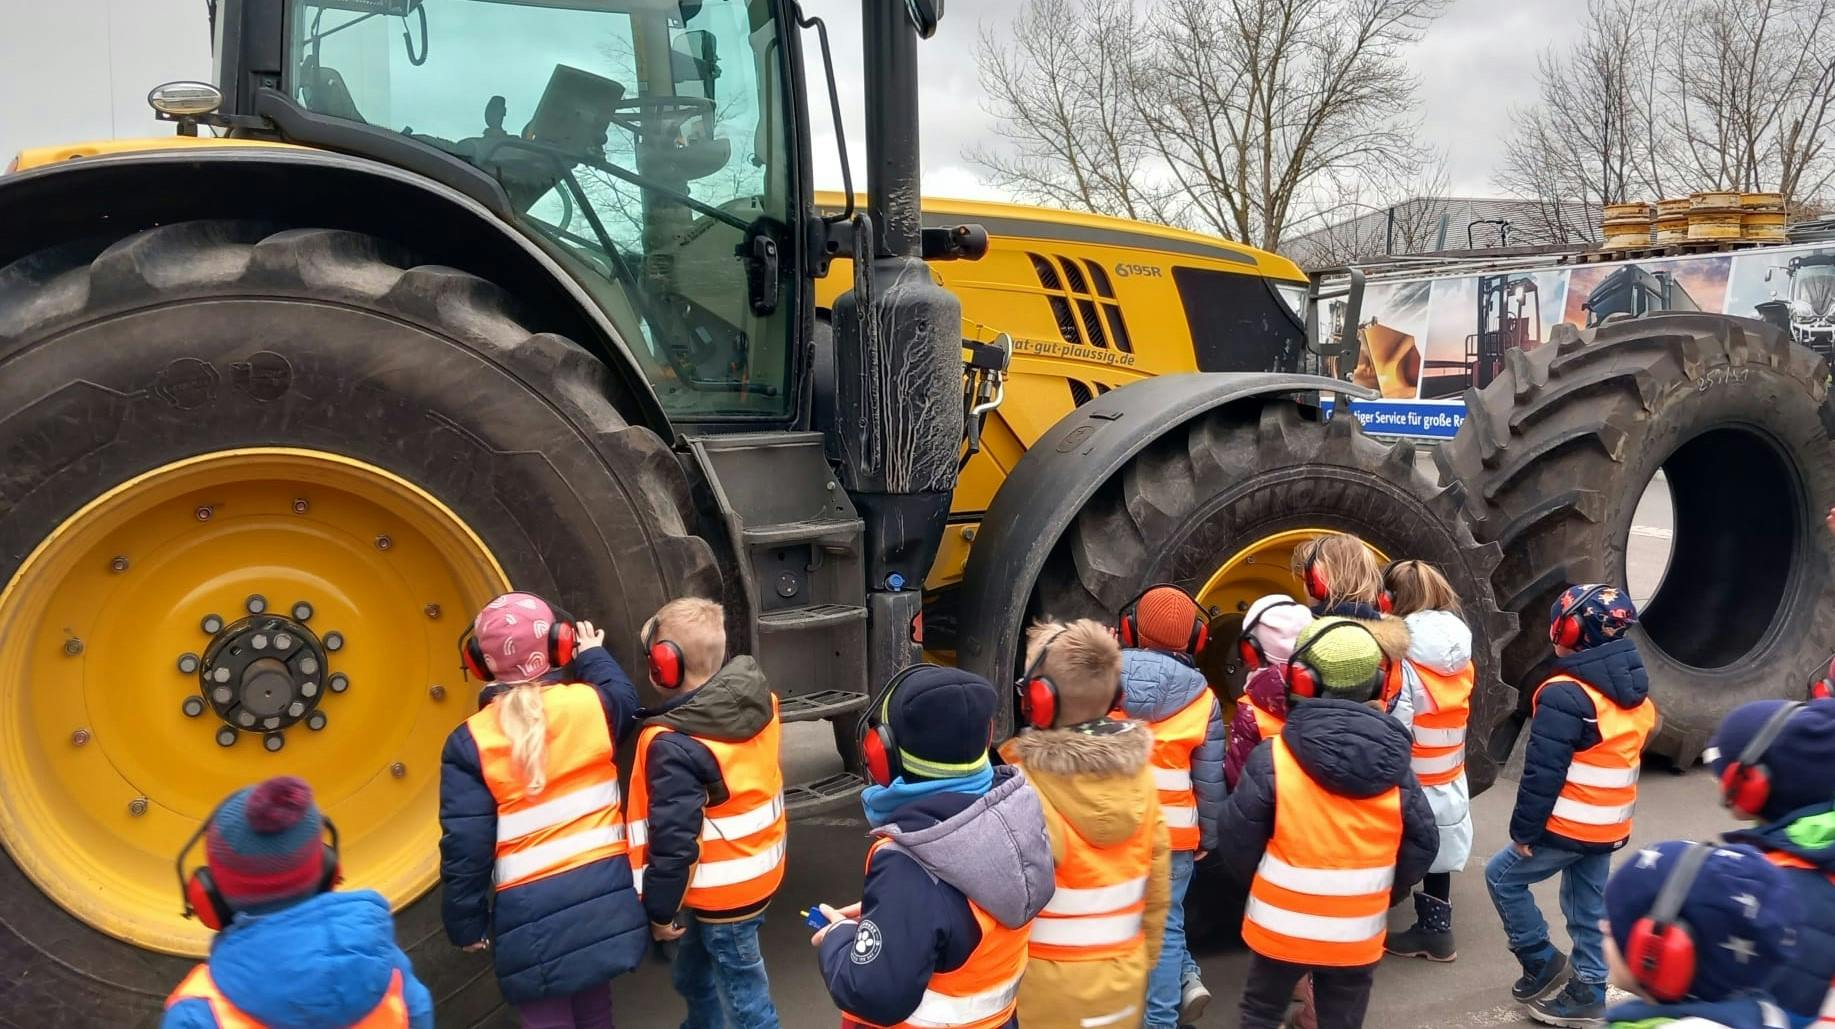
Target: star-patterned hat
(1739,912)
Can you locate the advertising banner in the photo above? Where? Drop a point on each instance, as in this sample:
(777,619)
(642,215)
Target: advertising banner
(1423,342)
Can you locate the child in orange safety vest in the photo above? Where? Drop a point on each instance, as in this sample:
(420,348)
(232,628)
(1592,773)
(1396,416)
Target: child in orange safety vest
(1096,943)
(1342,577)
(1589,720)
(533,854)
(1438,676)
(1328,828)
(1163,631)
(290,949)
(1269,630)
(706,817)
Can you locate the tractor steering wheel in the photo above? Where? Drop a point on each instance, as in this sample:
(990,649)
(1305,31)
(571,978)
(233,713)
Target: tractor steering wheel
(644,109)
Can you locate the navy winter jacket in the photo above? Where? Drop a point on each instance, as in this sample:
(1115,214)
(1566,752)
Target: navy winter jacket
(1157,686)
(555,936)
(1564,724)
(1808,834)
(1349,749)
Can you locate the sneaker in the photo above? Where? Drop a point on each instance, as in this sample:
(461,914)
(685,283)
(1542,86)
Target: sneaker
(1541,975)
(1432,934)
(1580,1006)
(1193,999)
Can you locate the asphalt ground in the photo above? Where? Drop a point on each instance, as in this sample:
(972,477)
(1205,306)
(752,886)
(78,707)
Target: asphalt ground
(827,854)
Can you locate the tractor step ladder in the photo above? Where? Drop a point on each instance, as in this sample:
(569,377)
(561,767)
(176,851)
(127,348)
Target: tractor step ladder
(801,547)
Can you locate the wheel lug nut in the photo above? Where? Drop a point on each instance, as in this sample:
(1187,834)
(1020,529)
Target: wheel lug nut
(300,505)
(79,737)
(188,663)
(271,723)
(247,719)
(226,737)
(309,665)
(334,641)
(302,612)
(220,675)
(384,543)
(308,689)
(193,706)
(137,806)
(119,564)
(282,641)
(295,709)
(315,721)
(204,513)
(273,741)
(340,682)
(73,647)
(432,611)
(436,691)
(258,641)
(212,624)
(256,603)
(398,770)
(221,694)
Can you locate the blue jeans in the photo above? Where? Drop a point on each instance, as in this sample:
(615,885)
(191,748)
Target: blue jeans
(1509,875)
(1168,978)
(719,971)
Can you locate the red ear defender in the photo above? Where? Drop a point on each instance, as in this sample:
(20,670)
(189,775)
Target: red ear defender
(1038,695)
(1745,784)
(1660,950)
(1250,649)
(1385,602)
(563,645)
(1565,630)
(667,666)
(1316,586)
(879,754)
(1302,681)
(471,658)
(204,902)
(1125,632)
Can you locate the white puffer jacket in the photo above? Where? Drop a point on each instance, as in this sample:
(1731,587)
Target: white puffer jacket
(1441,643)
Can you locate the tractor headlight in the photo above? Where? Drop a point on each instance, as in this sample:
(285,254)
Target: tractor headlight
(1801,310)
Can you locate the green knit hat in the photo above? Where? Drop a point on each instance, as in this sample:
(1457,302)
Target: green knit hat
(1346,656)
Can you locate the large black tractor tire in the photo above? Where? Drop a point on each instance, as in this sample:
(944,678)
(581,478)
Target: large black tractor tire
(1249,471)
(1555,454)
(121,356)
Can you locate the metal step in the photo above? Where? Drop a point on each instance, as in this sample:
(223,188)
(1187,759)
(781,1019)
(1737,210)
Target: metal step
(815,618)
(812,707)
(843,537)
(835,791)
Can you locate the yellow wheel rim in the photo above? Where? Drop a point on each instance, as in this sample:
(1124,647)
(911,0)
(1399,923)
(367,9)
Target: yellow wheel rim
(1264,566)
(108,761)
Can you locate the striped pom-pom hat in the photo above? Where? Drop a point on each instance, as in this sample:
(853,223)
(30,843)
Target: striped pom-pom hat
(265,845)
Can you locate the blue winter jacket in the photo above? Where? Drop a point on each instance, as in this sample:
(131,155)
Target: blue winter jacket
(1809,834)
(1158,685)
(323,963)
(555,936)
(1564,724)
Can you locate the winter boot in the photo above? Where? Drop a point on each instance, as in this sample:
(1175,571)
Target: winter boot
(1542,972)
(1193,999)
(1580,1006)
(1432,935)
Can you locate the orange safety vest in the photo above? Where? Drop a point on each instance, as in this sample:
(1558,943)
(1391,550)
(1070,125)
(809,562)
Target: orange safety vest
(1174,739)
(742,839)
(1101,897)
(1321,893)
(575,820)
(1392,682)
(1439,731)
(1601,790)
(1266,722)
(982,993)
(391,1012)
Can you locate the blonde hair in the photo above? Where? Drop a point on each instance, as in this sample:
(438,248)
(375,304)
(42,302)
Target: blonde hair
(1350,571)
(696,625)
(1419,586)
(525,722)
(1083,660)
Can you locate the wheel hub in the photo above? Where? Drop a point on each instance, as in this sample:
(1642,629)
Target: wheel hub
(262,674)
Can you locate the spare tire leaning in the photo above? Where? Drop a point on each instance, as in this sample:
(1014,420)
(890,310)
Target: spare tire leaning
(1555,454)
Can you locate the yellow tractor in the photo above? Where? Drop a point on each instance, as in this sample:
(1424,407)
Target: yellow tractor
(428,298)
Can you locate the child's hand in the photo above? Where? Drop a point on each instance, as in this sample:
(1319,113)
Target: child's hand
(1522,849)
(588,635)
(834,916)
(474,948)
(667,933)
(1830,520)
(851,911)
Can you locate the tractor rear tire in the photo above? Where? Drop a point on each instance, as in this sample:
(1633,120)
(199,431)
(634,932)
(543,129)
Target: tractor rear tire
(1556,453)
(122,356)
(1250,471)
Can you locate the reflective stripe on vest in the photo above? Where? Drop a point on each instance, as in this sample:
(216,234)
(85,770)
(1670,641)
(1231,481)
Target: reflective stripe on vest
(1175,738)
(742,839)
(390,1012)
(1321,893)
(1100,899)
(1440,723)
(575,820)
(1600,793)
(983,992)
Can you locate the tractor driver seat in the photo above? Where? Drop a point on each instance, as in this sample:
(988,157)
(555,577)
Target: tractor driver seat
(324,92)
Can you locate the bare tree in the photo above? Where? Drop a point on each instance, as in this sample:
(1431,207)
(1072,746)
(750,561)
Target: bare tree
(1063,81)
(1359,220)
(1224,115)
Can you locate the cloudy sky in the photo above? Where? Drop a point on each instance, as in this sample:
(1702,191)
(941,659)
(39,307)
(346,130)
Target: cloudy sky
(80,69)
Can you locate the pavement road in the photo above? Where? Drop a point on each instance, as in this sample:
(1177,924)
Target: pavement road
(827,855)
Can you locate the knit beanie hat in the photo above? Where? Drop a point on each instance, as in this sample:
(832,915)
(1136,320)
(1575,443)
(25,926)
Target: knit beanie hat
(941,721)
(512,631)
(1799,758)
(1740,912)
(1165,617)
(1605,616)
(1344,654)
(1275,620)
(264,845)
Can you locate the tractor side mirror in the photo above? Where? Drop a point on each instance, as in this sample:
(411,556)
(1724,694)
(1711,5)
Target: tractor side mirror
(1339,340)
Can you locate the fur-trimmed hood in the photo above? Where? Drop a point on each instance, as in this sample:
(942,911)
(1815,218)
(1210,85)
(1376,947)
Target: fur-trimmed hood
(1391,632)
(1098,782)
